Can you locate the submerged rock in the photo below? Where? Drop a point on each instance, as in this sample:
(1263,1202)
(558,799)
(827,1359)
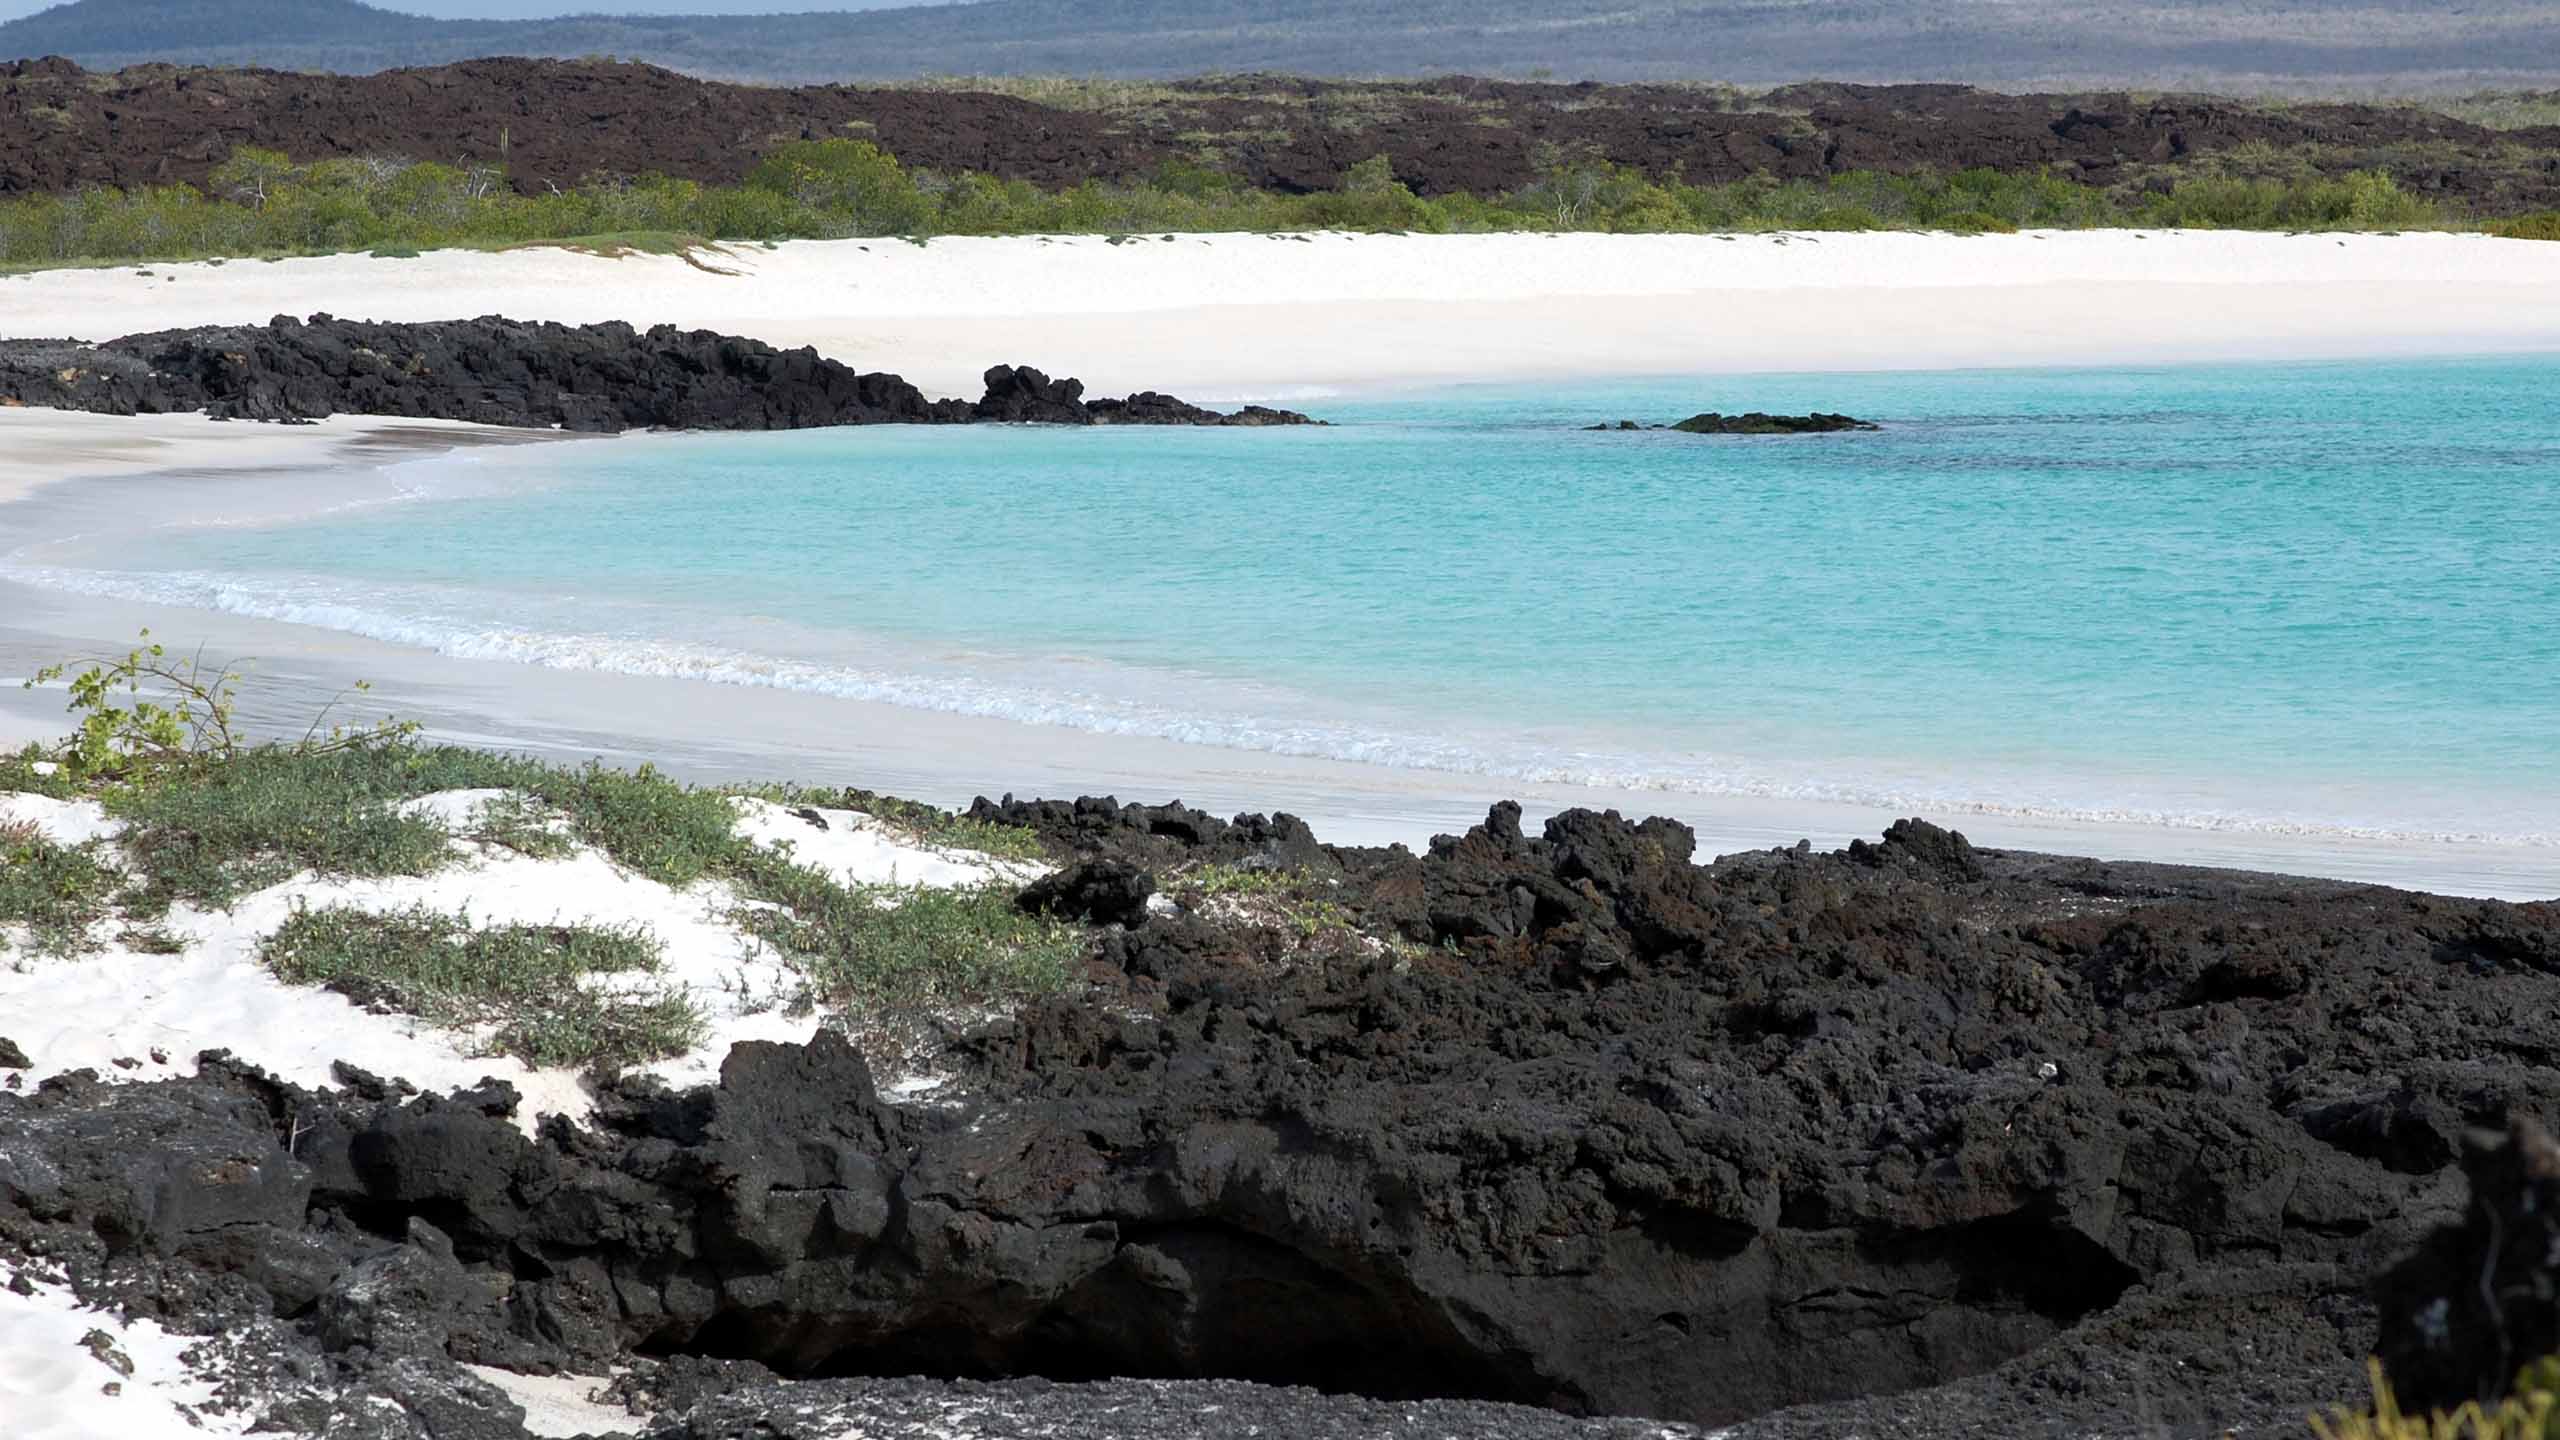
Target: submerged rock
(1753,423)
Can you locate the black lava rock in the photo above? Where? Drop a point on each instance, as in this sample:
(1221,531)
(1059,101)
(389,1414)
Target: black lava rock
(1105,892)
(495,371)
(2480,1298)
(1917,1138)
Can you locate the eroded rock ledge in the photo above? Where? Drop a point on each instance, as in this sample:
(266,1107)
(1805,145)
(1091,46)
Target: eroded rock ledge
(1917,1138)
(494,371)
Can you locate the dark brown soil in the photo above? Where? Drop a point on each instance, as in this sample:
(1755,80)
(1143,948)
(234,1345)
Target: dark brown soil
(553,122)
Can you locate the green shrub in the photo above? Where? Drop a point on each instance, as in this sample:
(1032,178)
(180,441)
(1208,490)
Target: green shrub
(263,204)
(56,891)
(1842,217)
(1976,222)
(529,983)
(883,947)
(265,815)
(854,184)
(2219,202)
(2544,226)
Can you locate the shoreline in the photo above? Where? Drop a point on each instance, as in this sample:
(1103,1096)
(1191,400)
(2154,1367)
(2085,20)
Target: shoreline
(43,448)
(692,729)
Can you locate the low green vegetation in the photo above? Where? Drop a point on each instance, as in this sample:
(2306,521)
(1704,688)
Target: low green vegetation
(873,948)
(1271,898)
(2545,226)
(210,817)
(56,891)
(262,204)
(529,984)
(212,835)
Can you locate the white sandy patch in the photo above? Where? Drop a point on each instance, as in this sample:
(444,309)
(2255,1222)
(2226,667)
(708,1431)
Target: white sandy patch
(559,1405)
(38,447)
(132,1015)
(857,850)
(54,1387)
(456,810)
(64,822)
(1326,310)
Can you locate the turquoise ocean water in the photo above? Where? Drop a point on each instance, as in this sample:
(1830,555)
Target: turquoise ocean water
(2297,598)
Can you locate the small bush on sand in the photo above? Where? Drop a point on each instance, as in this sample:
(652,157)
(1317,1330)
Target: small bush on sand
(146,713)
(1976,222)
(266,814)
(56,891)
(529,984)
(869,948)
(2545,226)
(33,771)
(522,823)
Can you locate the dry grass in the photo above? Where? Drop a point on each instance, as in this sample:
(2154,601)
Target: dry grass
(2518,1417)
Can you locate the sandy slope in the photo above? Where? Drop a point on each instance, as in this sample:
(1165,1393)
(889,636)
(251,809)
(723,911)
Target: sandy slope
(78,1374)
(1260,316)
(133,1015)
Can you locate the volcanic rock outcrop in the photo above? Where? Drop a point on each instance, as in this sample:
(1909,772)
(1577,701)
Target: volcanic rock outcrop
(495,371)
(2481,1298)
(1754,423)
(1583,1125)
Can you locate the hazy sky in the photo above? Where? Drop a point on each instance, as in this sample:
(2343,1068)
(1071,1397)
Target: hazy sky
(532,9)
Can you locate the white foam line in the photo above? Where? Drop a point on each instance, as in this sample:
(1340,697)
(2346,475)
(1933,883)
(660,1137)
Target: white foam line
(461,637)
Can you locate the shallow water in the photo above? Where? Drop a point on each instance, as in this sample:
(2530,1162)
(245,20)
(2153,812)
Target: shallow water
(2295,598)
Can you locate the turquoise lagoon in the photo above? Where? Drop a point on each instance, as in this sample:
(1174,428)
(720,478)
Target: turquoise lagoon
(2301,598)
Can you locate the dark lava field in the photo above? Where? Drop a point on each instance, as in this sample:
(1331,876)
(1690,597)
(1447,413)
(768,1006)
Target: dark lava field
(1910,1139)
(553,122)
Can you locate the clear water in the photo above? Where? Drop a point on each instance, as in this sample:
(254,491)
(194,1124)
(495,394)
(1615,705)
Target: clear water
(2302,598)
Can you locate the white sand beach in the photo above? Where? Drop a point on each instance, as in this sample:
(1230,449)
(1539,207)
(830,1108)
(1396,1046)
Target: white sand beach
(1227,317)
(1221,317)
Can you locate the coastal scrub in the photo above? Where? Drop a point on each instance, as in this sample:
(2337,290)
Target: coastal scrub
(263,204)
(532,986)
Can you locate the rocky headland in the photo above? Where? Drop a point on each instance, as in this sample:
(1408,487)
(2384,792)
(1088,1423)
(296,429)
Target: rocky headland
(494,371)
(1909,1138)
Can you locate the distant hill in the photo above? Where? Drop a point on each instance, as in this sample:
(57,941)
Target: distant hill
(2221,44)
